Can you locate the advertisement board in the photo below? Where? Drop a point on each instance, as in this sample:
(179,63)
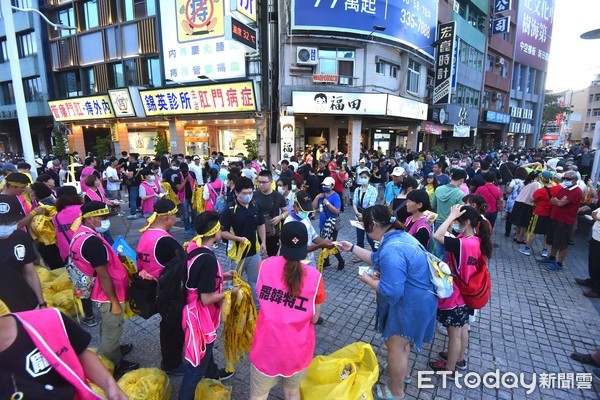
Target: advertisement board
(81,108)
(534,31)
(409,22)
(121,102)
(339,103)
(288,126)
(444,63)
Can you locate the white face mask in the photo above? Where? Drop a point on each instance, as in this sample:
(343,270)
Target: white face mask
(7,230)
(104,226)
(280,190)
(152,178)
(294,187)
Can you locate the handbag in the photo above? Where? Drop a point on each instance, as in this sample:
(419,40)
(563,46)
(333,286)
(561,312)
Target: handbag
(339,224)
(82,282)
(142,296)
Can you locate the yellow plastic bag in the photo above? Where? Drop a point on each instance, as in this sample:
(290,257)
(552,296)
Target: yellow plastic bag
(3,308)
(348,373)
(42,226)
(58,291)
(212,389)
(236,251)
(108,364)
(198,202)
(96,389)
(146,384)
(170,193)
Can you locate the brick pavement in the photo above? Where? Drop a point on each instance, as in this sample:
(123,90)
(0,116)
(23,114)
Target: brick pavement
(534,320)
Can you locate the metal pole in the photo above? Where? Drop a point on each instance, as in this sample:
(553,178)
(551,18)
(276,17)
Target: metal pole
(17,82)
(596,146)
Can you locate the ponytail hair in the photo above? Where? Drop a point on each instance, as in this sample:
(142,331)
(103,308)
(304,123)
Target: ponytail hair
(481,228)
(293,277)
(383,216)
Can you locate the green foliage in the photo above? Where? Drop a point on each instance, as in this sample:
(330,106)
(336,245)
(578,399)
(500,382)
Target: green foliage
(103,146)
(251,148)
(552,108)
(61,144)
(161,144)
(438,150)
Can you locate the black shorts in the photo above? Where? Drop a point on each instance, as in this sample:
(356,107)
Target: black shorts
(521,214)
(456,317)
(558,235)
(541,224)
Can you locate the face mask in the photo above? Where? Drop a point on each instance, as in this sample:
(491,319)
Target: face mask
(245,198)
(174,168)
(567,184)
(280,190)
(104,226)
(294,187)
(7,230)
(152,178)
(456,228)
(344,163)
(326,189)
(303,214)
(362,181)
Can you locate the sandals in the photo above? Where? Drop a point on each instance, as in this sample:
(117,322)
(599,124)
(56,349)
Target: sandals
(383,392)
(356,260)
(407,379)
(585,359)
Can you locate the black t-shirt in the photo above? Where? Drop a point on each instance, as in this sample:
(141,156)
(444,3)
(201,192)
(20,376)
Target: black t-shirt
(133,167)
(452,245)
(15,252)
(244,221)
(166,249)
(173,177)
(94,251)
(25,361)
(203,273)
(269,204)
(422,234)
(189,190)
(314,185)
(289,174)
(322,174)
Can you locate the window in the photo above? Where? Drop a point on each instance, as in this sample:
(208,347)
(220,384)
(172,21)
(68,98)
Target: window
(414,75)
(89,86)
(130,40)
(134,9)
(27,45)
(150,72)
(589,112)
(66,17)
(504,70)
(22,3)
(380,68)
(3,52)
(597,97)
(337,61)
(591,99)
(528,80)
(472,57)
(516,72)
(8,96)
(486,100)
(130,73)
(115,75)
(91,49)
(33,89)
(90,14)
(587,127)
(468,97)
(69,84)
(596,112)
(592,126)
(499,102)
(393,71)
(489,66)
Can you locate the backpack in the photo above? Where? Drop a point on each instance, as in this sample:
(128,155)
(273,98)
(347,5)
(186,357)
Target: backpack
(441,275)
(476,293)
(170,292)
(221,201)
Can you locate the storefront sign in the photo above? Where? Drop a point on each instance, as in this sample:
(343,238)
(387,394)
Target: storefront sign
(431,128)
(142,142)
(461,130)
(121,102)
(501,6)
(195,46)
(550,137)
(406,108)
(114,133)
(287,136)
(81,108)
(9,114)
(224,97)
(497,117)
(325,78)
(339,103)
(408,22)
(241,33)
(500,25)
(444,63)
(246,8)
(534,31)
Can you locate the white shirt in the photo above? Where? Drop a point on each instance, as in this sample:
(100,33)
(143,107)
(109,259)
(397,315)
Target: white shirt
(249,173)
(312,234)
(553,162)
(197,170)
(413,166)
(112,173)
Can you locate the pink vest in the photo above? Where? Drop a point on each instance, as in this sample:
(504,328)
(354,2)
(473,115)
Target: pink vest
(116,270)
(148,204)
(218,188)
(420,223)
(146,252)
(87,171)
(181,193)
(283,326)
(470,252)
(94,196)
(200,322)
(47,332)
(62,223)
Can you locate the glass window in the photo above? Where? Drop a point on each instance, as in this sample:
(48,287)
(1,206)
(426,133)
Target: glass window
(90,14)
(130,40)
(89,86)
(345,53)
(65,17)
(69,84)
(414,75)
(33,89)
(134,9)
(54,52)
(112,44)
(589,112)
(115,76)
(154,77)
(130,72)
(504,70)
(587,127)
(327,66)
(591,99)
(27,45)
(596,112)
(4,53)
(327,53)
(489,66)
(91,48)
(8,96)
(486,100)
(528,80)
(597,97)
(380,68)
(393,71)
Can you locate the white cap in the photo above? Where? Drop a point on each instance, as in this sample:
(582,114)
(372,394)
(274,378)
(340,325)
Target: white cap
(196,158)
(559,176)
(329,181)
(362,160)
(398,171)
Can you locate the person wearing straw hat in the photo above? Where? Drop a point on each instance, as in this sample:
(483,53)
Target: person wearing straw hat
(156,248)
(94,256)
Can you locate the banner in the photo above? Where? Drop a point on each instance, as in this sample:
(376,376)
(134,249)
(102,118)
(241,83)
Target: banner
(534,31)
(218,98)
(431,128)
(339,103)
(444,63)
(81,108)
(461,130)
(288,126)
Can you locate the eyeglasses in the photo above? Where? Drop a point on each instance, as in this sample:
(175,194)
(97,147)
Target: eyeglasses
(263,182)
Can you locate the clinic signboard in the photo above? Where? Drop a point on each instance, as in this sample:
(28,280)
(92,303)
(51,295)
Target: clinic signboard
(81,108)
(412,23)
(534,31)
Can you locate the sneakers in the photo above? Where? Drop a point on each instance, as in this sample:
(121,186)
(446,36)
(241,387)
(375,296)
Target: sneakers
(462,365)
(90,321)
(179,371)
(442,329)
(132,217)
(554,267)
(125,366)
(544,253)
(545,260)
(222,375)
(525,250)
(584,282)
(126,349)
(441,366)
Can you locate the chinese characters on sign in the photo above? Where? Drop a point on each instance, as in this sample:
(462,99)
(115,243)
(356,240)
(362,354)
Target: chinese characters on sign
(247,8)
(498,117)
(431,128)
(444,63)
(9,114)
(243,33)
(500,25)
(534,31)
(278,296)
(121,102)
(339,103)
(237,96)
(325,78)
(198,19)
(501,6)
(287,124)
(81,108)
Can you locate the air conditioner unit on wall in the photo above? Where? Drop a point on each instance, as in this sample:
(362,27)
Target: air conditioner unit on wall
(307,56)
(498,96)
(500,60)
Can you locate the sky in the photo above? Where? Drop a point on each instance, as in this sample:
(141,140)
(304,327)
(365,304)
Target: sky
(574,62)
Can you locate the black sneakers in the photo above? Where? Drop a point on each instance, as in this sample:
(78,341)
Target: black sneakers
(125,366)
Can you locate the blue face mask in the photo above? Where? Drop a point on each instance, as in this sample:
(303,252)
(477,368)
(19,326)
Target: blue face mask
(326,189)
(303,214)
(456,228)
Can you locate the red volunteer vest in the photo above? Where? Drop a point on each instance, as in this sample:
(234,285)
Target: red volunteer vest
(470,252)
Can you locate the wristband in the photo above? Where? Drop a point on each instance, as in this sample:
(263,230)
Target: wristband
(352,249)
(32,212)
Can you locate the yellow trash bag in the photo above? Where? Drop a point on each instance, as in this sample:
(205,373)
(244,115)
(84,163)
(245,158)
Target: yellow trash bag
(170,193)
(108,364)
(348,373)
(198,202)
(42,226)
(146,384)
(58,291)
(236,251)
(3,308)
(212,389)
(96,389)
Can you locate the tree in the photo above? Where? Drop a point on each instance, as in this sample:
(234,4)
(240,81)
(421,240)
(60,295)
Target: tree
(103,146)
(251,148)
(61,144)
(552,108)
(161,144)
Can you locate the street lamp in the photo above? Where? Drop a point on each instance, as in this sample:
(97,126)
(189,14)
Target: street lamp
(17,80)
(377,28)
(594,34)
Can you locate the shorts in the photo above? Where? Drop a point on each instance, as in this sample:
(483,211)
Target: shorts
(558,235)
(261,384)
(521,214)
(541,224)
(456,317)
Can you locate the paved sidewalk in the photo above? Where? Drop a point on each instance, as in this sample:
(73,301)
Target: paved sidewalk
(535,319)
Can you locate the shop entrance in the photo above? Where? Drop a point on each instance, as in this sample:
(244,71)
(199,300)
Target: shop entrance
(342,144)
(317,136)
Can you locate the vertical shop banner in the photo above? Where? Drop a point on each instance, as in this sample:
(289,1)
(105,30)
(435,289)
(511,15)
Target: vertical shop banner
(409,22)
(288,126)
(444,63)
(194,44)
(534,31)
(501,6)
(500,25)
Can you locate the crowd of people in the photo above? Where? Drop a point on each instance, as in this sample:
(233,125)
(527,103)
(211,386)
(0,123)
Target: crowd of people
(408,204)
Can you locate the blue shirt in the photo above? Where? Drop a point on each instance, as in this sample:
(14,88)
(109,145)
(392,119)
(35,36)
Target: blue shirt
(335,201)
(366,201)
(443,179)
(391,191)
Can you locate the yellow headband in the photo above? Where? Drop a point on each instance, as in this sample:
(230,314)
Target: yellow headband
(212,232)
(18,184)
(96,213)
(152,218)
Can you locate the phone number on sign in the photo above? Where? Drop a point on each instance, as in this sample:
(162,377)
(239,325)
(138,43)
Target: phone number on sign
(415,22)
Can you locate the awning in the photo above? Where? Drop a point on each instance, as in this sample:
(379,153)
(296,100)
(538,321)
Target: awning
(550,137)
